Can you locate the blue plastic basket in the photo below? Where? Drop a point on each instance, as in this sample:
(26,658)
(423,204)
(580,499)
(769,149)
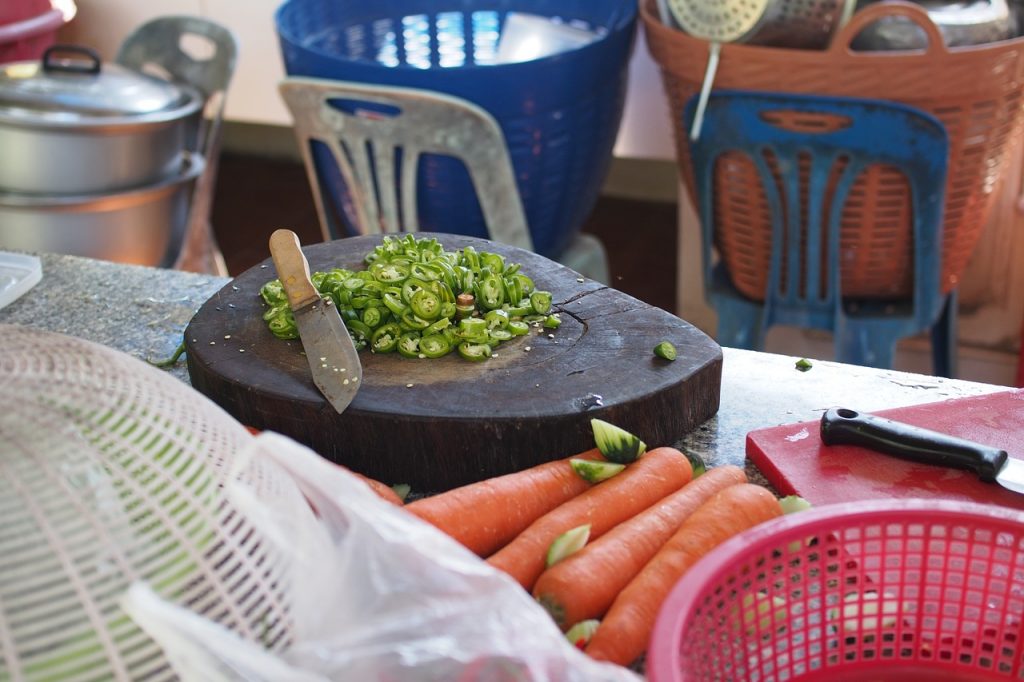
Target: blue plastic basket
(560,114)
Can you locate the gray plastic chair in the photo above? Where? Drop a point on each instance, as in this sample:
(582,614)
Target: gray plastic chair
(364,143)
(160,47)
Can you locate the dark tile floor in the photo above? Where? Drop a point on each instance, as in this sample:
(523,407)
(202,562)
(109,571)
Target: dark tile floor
(256,196)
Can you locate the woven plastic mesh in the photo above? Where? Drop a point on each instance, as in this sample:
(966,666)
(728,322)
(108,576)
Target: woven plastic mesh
(891,590)
(975,92)
(111,472)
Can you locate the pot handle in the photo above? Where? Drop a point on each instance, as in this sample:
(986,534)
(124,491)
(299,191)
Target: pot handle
(88,62)
(880,10)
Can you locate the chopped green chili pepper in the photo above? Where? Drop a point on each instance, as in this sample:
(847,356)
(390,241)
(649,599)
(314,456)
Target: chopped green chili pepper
(475,352)
(413,290)
(518,328)
(438,327)
(411,321)
(665,350)
(496,319)
(409,344)
(393,303)
(389,272)
(541,302)
(359,328)
(385,338)
(435,345)
(490,292)
(426,304)
(552,322)
(472,327)
(372,317)
(803,364)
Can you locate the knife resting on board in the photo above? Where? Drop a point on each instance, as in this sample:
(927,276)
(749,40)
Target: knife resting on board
(333,359)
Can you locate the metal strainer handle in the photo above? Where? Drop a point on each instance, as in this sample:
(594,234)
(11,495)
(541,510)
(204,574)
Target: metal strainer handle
(714,51)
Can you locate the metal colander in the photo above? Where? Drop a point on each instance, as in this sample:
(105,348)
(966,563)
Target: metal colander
(112,472)
(781,23)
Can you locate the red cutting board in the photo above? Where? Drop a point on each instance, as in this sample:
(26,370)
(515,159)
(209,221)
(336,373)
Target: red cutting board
(795,461)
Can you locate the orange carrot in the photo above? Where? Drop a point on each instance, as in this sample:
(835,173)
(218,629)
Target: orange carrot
(643,483)
(585,584)
(487,515)
(625,629)
(383,490)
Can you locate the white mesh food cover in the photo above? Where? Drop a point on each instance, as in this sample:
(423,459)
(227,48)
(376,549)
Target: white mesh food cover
(112,472)
(145,534)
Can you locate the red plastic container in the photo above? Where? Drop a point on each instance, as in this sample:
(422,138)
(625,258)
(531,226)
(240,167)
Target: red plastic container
(26,37)
(881,590)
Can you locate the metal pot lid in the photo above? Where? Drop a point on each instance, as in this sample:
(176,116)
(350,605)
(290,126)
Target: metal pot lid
(82,88)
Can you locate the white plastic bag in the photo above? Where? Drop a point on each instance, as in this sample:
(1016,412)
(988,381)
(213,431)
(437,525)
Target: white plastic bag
(376,594)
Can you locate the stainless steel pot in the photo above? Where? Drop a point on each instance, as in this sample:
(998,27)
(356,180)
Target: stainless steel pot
(144,225)
(72,125)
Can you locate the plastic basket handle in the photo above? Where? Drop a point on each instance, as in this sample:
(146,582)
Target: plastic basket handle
(891,8)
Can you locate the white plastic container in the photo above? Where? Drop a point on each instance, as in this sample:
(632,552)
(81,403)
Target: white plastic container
(18,274)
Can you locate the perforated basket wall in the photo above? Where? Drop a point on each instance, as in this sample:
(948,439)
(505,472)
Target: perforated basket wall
(112,472)
(910,590)
(976,92)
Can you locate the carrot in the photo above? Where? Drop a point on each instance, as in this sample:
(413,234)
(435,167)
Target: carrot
(643,483)
(487,515)
(383,490)
(585,584)
(625,629)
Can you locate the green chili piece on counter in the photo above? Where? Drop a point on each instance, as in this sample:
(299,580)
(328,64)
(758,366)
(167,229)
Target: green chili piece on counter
(665,350)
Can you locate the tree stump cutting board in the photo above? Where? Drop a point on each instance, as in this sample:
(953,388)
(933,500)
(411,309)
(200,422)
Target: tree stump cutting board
(437,424)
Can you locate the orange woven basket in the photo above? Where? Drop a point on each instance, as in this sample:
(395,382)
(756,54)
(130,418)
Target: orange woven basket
(975,91)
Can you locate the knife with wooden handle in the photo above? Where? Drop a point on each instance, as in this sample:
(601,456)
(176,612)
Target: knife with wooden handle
(333,359)
(841,426)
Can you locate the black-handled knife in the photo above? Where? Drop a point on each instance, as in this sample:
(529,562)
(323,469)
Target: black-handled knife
(841,426)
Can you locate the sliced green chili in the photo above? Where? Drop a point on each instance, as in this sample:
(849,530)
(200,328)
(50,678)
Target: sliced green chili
(435,345)
(425,304)
(409,344)
(475,352)
(665,350)
(385,338)
(540,301)
(411,294)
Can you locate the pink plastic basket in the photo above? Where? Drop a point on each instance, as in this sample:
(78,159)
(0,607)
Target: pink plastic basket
(887,590)
(28,38)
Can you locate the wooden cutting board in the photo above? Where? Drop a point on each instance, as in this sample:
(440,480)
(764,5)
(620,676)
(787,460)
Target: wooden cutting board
(795,461)
(437,424)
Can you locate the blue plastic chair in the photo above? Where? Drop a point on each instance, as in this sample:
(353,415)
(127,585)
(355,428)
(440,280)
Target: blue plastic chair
(873,132)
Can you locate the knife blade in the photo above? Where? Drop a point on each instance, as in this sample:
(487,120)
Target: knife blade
(333,359)
(842,426)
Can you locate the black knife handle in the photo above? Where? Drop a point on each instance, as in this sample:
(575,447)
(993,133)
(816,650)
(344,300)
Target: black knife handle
(841,426)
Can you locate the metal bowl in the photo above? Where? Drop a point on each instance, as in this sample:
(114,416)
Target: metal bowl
(974,22)
(144,226)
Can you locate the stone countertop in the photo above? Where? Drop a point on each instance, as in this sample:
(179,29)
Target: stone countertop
(139,310)
(143,311)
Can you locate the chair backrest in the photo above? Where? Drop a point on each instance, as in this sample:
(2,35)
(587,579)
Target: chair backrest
(202,54)
(808,150)
(367,127)
(161,47)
